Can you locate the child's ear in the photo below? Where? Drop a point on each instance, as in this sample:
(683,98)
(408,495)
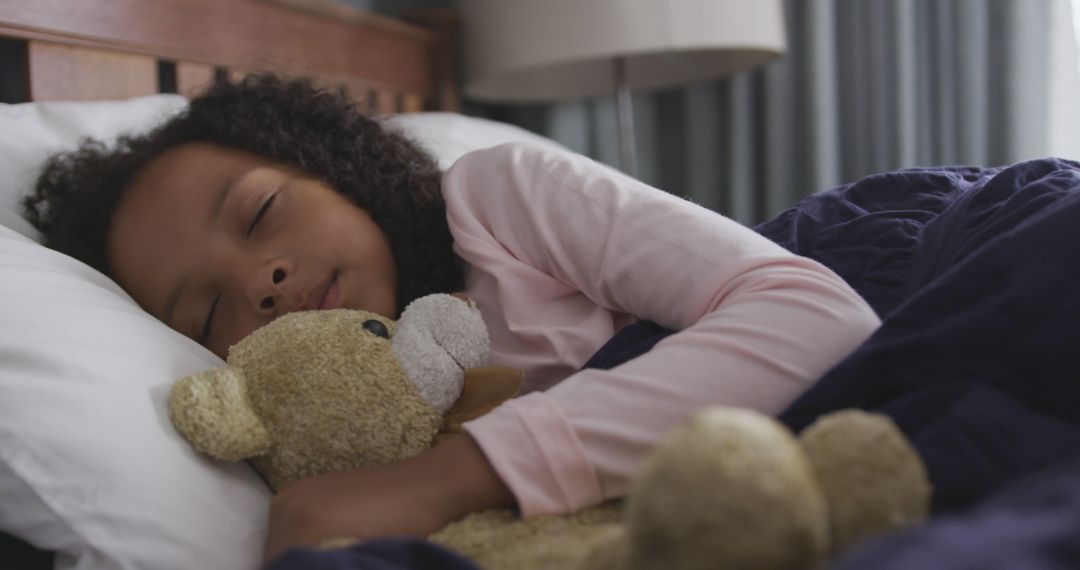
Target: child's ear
(211,410)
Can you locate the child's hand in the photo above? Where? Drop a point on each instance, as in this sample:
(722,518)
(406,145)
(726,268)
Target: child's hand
(416,497)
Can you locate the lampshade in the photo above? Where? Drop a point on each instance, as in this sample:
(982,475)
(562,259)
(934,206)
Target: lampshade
(542,50)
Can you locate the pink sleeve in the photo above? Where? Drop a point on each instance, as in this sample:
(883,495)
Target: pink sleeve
(757,324)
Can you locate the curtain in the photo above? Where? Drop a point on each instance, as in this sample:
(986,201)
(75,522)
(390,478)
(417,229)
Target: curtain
(866,86)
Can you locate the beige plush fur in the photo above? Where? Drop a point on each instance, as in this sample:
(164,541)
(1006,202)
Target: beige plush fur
(318,391)
(735,489)
(750,479)
(500,539)
(868,475)
(329,395)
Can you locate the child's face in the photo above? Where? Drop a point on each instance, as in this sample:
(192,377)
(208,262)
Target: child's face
(217,242)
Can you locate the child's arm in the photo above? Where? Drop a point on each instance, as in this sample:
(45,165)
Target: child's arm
(759,326)
(561,251)
(415,497)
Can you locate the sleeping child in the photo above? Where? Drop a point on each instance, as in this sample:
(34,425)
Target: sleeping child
(268,196)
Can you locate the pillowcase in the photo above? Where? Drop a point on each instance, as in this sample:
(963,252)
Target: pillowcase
(32,131)
(90,465)
(450,135)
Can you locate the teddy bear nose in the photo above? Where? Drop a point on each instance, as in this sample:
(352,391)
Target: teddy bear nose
(376,327)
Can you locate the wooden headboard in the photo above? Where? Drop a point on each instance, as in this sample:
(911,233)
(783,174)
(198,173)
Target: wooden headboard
(108,49)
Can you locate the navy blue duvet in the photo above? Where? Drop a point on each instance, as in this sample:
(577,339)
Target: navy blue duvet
(976,275)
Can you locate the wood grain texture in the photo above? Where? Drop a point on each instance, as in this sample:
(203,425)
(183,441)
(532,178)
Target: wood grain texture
(192,78)
(446,25)
(244,34)
(59,72)
(413,104)
(336,10)
(386,102)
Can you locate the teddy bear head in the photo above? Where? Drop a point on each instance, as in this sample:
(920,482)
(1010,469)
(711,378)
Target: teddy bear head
(318,391)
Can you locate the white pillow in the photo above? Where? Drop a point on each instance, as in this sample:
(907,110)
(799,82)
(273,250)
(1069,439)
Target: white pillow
(450,135)
(32,131)
(90,465)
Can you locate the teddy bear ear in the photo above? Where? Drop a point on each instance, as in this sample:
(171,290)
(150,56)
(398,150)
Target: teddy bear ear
(212,412)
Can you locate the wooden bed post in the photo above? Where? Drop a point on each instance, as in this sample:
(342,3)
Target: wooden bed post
(446,25)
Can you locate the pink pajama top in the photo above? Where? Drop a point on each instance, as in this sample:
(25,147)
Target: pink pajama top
(561,252)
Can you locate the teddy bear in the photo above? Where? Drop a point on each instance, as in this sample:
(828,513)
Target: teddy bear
(318,391)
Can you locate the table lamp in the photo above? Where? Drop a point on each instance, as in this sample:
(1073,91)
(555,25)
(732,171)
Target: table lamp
(528,51)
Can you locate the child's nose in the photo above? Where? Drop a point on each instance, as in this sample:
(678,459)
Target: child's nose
(270,297)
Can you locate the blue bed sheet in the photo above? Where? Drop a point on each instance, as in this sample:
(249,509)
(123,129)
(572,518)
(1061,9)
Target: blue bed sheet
(976,273)
(394,553)
(977,358)
(1030,525)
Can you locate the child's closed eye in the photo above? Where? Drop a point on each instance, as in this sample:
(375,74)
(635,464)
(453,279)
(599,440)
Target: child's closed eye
(260,214)
(207,327)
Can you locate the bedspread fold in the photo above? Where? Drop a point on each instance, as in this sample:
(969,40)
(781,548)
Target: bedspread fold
(977,277)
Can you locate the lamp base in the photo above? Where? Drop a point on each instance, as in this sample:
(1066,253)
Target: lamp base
(624,107)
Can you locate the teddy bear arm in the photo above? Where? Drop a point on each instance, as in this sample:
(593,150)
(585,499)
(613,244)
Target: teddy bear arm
(211,410)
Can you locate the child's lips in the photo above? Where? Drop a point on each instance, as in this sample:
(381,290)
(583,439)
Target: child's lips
(332,298)
(326,296)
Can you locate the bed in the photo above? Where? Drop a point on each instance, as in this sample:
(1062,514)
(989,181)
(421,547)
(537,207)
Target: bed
(92,474)
(973,271)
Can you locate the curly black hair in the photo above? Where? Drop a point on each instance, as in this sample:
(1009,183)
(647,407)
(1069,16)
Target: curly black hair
(289,121)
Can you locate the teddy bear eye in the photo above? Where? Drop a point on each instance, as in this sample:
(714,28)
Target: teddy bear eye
(376,327)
